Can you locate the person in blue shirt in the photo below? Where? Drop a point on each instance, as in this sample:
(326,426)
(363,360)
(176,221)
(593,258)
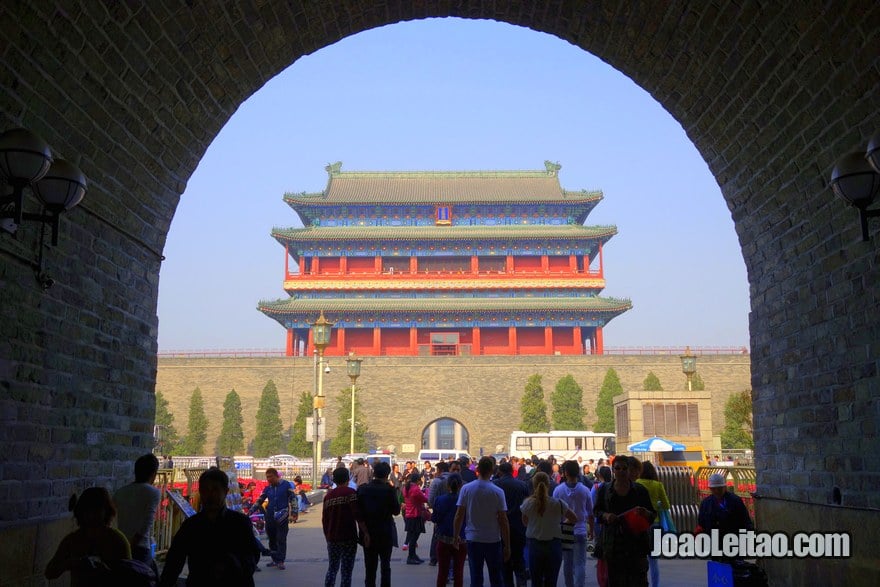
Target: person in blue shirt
(281,500)
(443,517)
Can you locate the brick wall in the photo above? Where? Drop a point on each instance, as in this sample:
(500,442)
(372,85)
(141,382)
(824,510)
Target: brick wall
(402,395)
(770,93)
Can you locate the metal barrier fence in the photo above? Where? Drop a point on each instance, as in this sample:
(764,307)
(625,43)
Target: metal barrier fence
(168,516)
(687,488)
(681,490)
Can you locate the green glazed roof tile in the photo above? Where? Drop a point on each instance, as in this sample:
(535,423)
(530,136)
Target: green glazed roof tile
(385,233)
(442,187)
(454,304)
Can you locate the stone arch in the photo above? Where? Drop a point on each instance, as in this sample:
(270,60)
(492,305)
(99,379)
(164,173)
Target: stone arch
(445,433)
(770,95)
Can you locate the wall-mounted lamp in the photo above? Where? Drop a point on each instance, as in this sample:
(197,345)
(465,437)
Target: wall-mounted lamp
(856,179)
(26,161)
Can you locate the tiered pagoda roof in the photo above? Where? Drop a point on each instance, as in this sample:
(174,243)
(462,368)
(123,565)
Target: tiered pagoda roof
(446,233)
(298,305)
(453,187)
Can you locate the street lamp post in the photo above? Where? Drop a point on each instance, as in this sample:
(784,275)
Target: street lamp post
(320,338)
(354,371)
(689,366)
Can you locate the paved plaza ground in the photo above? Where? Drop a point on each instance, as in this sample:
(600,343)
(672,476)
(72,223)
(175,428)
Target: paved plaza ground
(307,562)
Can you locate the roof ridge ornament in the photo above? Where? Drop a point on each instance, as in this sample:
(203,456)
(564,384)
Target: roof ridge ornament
(334,168)
(552,168)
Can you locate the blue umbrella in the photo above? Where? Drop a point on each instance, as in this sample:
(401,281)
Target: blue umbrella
(655,444)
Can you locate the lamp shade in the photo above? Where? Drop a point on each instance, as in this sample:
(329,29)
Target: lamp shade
(321,332)
(854,180)
(873,152)
(24,157)
(63,186)
(354,366)
(688,362)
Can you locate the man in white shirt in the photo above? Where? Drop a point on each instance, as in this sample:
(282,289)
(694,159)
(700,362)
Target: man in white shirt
(577,497)
(484,507)
(136,505)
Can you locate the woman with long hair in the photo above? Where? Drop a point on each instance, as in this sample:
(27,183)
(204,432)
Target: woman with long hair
(648,479)
(542,516)
(444,518)
(90,551)
(414,501)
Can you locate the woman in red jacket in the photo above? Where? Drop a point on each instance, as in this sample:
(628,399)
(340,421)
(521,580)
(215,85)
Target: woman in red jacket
(414,501)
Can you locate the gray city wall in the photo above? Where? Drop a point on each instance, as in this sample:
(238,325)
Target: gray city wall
(401,395)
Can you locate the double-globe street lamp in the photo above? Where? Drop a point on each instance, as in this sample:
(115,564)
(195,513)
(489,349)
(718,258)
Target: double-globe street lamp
(354,371)
(321,330)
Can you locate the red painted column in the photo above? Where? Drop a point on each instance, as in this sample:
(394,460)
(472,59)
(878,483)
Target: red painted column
(286,263)
(377,341)
(310,346)
(413,265)
(572,263)
(511,339)
(578,340)
(600,346)
(475,264)
(377,265)
(476,343)
(548,340)
(509,263)
(601,274)
(343,265)
(316,265)
(302,265)
(340,341)
(413,340)
(545,264)
(289,352)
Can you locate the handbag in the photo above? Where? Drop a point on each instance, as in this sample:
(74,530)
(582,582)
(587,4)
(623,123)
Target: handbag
(666,522)
(425,513)
(566,530)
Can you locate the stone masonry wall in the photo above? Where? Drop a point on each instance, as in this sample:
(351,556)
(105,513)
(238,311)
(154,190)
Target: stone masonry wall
(402,395)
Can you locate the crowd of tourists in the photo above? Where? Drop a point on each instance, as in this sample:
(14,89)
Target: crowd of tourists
(517,520)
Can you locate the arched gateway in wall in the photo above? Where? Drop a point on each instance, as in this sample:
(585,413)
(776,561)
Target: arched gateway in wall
(445,434)
(771,94)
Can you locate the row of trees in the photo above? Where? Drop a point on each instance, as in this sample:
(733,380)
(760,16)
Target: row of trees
(567,412)
(270,437)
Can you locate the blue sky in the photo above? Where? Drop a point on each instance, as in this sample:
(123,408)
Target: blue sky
(452,94)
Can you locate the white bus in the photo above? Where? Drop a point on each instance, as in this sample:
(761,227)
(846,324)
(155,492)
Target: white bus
(563,444)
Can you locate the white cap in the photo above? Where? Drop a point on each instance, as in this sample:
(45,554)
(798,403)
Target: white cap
(717,480)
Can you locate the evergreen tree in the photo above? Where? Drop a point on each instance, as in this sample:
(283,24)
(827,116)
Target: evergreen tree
(605,403)
(196,427)
(533,408)
(737,431)
(298,445)
(567,405)
(697,383)
(268,440)
(231,439)
(652,382)
(166,433)
(341,442)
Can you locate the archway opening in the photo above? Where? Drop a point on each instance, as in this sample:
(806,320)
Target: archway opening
(445,434)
